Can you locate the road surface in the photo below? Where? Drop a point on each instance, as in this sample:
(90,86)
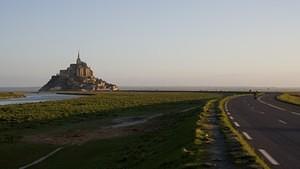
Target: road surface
(271,126)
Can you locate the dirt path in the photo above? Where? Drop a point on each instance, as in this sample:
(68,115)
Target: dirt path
(116,128)
(131,121)
(210,147)
(119,127)
(218,147)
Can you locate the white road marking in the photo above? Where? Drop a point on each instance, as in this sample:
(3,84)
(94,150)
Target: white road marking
(295,113)
(281,121)
(41,159)
(276,107)
(269,157)
(271,105)
(228,113)
(226,107)
(247,136)
(236,124)
(262,112)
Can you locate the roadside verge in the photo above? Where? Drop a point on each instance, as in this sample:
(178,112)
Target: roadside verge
(241,152)
(288,98)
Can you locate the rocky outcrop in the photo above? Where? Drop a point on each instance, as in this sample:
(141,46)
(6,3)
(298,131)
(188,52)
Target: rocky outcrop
(77,77)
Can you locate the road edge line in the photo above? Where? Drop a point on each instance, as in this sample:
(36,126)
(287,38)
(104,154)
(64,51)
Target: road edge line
(247,135)
(246,147)
(268,156)
(236,124)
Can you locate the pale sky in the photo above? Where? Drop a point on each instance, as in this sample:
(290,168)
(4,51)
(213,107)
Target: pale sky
(153,42)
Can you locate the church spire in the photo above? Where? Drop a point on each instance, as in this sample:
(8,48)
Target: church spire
(78,58)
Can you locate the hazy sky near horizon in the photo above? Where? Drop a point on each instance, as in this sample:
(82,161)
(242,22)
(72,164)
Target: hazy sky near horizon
(153,42)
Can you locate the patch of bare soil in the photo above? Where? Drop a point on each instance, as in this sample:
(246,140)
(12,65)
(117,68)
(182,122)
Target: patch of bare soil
(219,148)
(209,150)
(118,127)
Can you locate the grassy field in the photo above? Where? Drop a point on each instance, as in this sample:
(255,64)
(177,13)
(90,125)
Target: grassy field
(157,149)
(158,143)
(7,95)
(98,106)
(289,98)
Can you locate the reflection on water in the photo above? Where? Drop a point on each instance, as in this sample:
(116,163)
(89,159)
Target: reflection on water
(34,97)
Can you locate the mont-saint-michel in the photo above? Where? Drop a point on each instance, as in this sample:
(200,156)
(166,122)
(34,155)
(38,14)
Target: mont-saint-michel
(77,77)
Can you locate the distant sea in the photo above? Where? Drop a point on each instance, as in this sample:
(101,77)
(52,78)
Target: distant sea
(209,88)
(172,88)
(19,89)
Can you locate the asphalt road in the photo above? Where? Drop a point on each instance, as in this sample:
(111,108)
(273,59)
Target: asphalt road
(271,126)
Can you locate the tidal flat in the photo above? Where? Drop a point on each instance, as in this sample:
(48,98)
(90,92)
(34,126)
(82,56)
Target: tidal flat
(7,95)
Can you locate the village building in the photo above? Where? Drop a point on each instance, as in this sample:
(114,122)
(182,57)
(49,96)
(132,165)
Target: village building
(78,76)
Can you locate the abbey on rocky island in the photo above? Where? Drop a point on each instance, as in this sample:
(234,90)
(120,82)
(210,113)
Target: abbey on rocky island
(77,77)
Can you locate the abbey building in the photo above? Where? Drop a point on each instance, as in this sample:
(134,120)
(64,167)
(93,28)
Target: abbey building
(78,77)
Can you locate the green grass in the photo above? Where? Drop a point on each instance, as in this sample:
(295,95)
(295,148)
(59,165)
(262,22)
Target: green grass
(17,154)
(158,149)
(200,150)
(99,106)
(7,95)
(241,151)
(161,148)
(288,98)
